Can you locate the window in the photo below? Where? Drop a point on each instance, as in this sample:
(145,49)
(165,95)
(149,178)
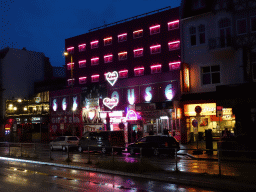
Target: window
(95,78)
(122,37)
(137,34)
(70,50)
(173,45)
(156,69)
(173,25)
(155,49)
(192,32)
(241,26)
(81,47)
(123,73)
(154,29)
(138,52)
(82,63)
(198,4)
(107,41)
(95,61)
(174,65)
(69,65)
(70,82)
(139,71)
(122,56)
(82,80)
(253,24)
(108,58)
(225,32)
(201,32)
(94,44)
(210,74)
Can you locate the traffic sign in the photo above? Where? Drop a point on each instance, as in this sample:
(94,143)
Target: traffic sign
(195,123)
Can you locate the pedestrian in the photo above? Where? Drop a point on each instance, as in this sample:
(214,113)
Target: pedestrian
(134,136)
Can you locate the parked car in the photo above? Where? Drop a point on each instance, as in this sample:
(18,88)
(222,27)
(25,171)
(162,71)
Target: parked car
(155,144)
(63,142)
(102,141)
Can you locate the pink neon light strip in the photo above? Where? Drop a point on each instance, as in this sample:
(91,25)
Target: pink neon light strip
(71,79)
(173,42)
(80,78)
(123,71)
(155,66)
(122,53)
(70,64)
(94,42)
(83,61)
(138,31)
(122,35)
(95,58)
(141,68)
(95,75)
(107,38)
(156,26)
(141,49)
(176,21)
(105,56)
(81,45)
(177,62)
(70,48)
(155,46)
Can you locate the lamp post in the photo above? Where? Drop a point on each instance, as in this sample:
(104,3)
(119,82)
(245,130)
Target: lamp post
(72,89)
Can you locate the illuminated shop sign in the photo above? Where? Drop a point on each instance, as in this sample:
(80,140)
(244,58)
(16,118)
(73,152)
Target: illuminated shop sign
(112,77)
(110,102)
(131,115)
(74,103)
(54,105)
(148,94)
(64,104)
(185,77)
(130,96)
(168,92)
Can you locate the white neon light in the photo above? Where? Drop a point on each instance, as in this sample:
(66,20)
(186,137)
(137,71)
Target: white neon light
(70,64)
(95,58)
(122,53)
(106,56)
(83,61)
(123,71)
(155,46)
(141,49)
(94,42)
(155,26)
(177,62)
(64,104)
(82,45)
(141,68)
(110,102)
(95,76)
(112,77)
(131,96)
(131,115)
(74,103)
(148,94)
(174,42)
(107,38)
(122,35)
(82,78)
(54,104)
(168,92)
(70,48)
(138,31)
(155,66)
(176,21)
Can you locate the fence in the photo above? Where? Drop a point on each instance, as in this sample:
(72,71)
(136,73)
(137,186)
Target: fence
(222,162)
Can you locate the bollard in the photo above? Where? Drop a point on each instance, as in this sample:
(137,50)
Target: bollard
(219,162)
(176,159)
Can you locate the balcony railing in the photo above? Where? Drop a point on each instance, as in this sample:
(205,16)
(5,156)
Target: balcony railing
(220,42)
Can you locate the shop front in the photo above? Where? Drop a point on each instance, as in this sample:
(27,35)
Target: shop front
(208,118)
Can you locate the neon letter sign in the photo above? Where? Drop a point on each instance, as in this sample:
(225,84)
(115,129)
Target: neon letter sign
(55,106)
(74,103)
(130,96)
(64,104)
(148,95)
(110,102)
(115,94)
(168,92)
(112,77)
(131,115)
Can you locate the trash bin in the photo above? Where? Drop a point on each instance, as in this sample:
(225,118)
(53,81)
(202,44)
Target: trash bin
(208,141)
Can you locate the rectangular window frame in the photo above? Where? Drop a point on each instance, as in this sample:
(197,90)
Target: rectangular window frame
(82,63)
(176,65)
(94,44)
(253,17)
(95,61)
(71,81)
(156,68)
(154,29)
(122,37)
(82,80)
(122,56)
(201,34)
(155,49)
(107,41)
(173,25)
(192,36)
(139,71)
(123,74)
(71,50)
(69,65)
(138,52)
(237,27)
(95,78)
(138,34)
(82,47)
(173,45)
(211,74)
(108,58)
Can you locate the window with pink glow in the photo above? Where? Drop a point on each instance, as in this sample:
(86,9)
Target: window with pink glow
(122,56)
(82,47)
(139,71)
(138,34)
(123,73)
(174,65)
(94,44)
(154,29)
(82,80)
(69,65)
(174,45)
(173,25)
(156,68)
(155,49)
(138,52)
(122,37)
(82,63)
(70,50)
(71,81)
(107,41)
(95,78)
(108,58)
(95,61)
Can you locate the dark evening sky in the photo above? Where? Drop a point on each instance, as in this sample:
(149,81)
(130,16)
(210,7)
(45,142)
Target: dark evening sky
(43,25)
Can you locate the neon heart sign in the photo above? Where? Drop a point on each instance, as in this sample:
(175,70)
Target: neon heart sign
(112,77)
(110,102)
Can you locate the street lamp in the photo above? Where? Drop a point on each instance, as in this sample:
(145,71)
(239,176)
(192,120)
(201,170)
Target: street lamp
(72,86)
